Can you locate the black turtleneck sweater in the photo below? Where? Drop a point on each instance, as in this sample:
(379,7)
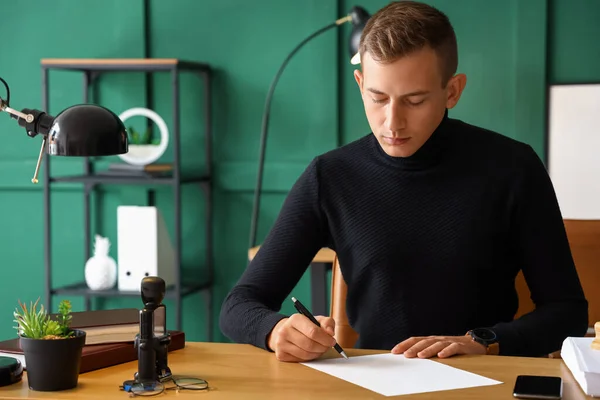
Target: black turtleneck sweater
(428,244)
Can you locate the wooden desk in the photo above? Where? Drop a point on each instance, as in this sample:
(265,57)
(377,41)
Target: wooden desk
(322,261)
(236,371)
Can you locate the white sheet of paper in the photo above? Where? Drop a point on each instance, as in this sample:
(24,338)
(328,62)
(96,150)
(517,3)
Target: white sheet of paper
(393,374)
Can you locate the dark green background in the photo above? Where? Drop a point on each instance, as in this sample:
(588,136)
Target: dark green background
(509,50)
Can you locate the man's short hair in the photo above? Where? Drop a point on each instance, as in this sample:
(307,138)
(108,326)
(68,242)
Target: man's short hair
(403,27)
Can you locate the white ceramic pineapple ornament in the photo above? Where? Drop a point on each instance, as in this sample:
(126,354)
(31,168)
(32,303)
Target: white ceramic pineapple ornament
(101,269)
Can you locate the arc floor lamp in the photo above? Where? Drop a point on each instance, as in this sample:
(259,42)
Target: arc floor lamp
(358,16)
(81,130)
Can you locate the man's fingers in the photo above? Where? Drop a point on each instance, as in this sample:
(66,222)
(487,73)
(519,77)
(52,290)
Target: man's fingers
(290,349)
(443,346)
(406,344)
(327,323)
(298,339)
(433,349)
(304,342)
(453,349)
(281,356)
(422,345)
(312,331)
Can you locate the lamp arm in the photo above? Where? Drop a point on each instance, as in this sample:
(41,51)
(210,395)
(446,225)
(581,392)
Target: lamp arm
(265,124)
(15,113)
(34,121)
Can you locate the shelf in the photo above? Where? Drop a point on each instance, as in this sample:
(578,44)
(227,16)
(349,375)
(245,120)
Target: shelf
(134,179)
(93,176)
(81,289)
(123,64)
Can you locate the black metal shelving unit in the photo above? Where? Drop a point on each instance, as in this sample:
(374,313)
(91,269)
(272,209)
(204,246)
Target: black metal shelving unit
(91,69)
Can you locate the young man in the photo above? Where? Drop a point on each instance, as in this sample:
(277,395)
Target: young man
(431,218)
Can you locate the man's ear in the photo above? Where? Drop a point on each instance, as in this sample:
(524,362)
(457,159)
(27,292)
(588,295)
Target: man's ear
(455,87)
(359,79)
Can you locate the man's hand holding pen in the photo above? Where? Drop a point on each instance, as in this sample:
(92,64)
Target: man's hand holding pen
(297,339)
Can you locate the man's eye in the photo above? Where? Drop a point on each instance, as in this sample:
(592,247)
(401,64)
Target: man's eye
(416,103)
(378,100)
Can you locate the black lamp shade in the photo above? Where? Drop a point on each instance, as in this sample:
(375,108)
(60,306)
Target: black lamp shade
(360,16)
(87,130)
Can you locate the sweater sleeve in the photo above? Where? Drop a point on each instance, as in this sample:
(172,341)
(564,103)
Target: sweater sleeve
(544,254)
(251,309)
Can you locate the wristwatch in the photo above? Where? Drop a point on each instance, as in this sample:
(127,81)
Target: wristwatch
(486,337)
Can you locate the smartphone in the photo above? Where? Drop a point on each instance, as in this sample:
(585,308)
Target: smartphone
(538,387)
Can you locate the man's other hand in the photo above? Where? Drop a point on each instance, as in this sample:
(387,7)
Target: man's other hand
(297,339)
(440,346)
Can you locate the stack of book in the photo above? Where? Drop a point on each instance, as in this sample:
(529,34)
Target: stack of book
(109,338)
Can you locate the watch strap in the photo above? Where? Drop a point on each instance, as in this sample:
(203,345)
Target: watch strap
(493,349)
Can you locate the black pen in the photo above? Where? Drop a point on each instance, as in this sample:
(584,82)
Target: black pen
(304,311)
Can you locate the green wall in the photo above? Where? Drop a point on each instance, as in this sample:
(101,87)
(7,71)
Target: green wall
(503,51)
(575,54)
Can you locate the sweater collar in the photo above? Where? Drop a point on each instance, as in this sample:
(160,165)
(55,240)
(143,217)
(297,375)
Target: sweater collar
(427,155)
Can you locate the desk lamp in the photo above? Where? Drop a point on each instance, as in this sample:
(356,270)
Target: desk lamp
(358,16)
(80,130)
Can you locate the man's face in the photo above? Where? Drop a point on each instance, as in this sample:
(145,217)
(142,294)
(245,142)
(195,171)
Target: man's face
(404,100)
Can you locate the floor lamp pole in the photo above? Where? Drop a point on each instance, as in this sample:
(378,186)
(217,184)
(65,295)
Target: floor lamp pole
(265,126)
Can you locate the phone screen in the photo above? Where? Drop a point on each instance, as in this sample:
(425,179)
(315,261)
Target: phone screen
(160,321)
(538,387)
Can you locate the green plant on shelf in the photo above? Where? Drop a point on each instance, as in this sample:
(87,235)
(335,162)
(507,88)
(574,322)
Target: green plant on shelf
(136,137)
(37,324)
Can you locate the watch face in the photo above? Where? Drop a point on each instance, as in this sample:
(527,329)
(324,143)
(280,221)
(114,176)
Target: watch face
(485,334)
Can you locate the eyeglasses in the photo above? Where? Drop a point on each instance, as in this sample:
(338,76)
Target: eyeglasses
(170,383)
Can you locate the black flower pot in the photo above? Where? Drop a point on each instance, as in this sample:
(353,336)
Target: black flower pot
(53,364)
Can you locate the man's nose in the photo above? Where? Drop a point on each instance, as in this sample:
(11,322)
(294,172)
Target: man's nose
(395,118)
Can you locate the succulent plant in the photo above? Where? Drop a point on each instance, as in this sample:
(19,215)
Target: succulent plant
(136,137)
(37,324)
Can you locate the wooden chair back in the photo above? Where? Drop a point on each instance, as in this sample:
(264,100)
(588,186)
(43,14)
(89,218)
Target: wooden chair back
(344,334)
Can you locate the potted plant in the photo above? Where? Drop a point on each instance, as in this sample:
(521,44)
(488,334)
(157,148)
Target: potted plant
(139,138)
(51,348)
(143,147)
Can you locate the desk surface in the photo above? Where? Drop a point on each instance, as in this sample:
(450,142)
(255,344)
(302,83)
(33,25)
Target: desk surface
(236,371)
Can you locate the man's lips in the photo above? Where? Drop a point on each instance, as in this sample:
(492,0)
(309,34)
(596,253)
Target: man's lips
(395,141)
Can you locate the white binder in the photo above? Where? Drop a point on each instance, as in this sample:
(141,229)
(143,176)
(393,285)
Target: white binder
(144,247)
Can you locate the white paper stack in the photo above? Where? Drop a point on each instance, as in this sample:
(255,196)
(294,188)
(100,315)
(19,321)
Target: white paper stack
(583,362)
